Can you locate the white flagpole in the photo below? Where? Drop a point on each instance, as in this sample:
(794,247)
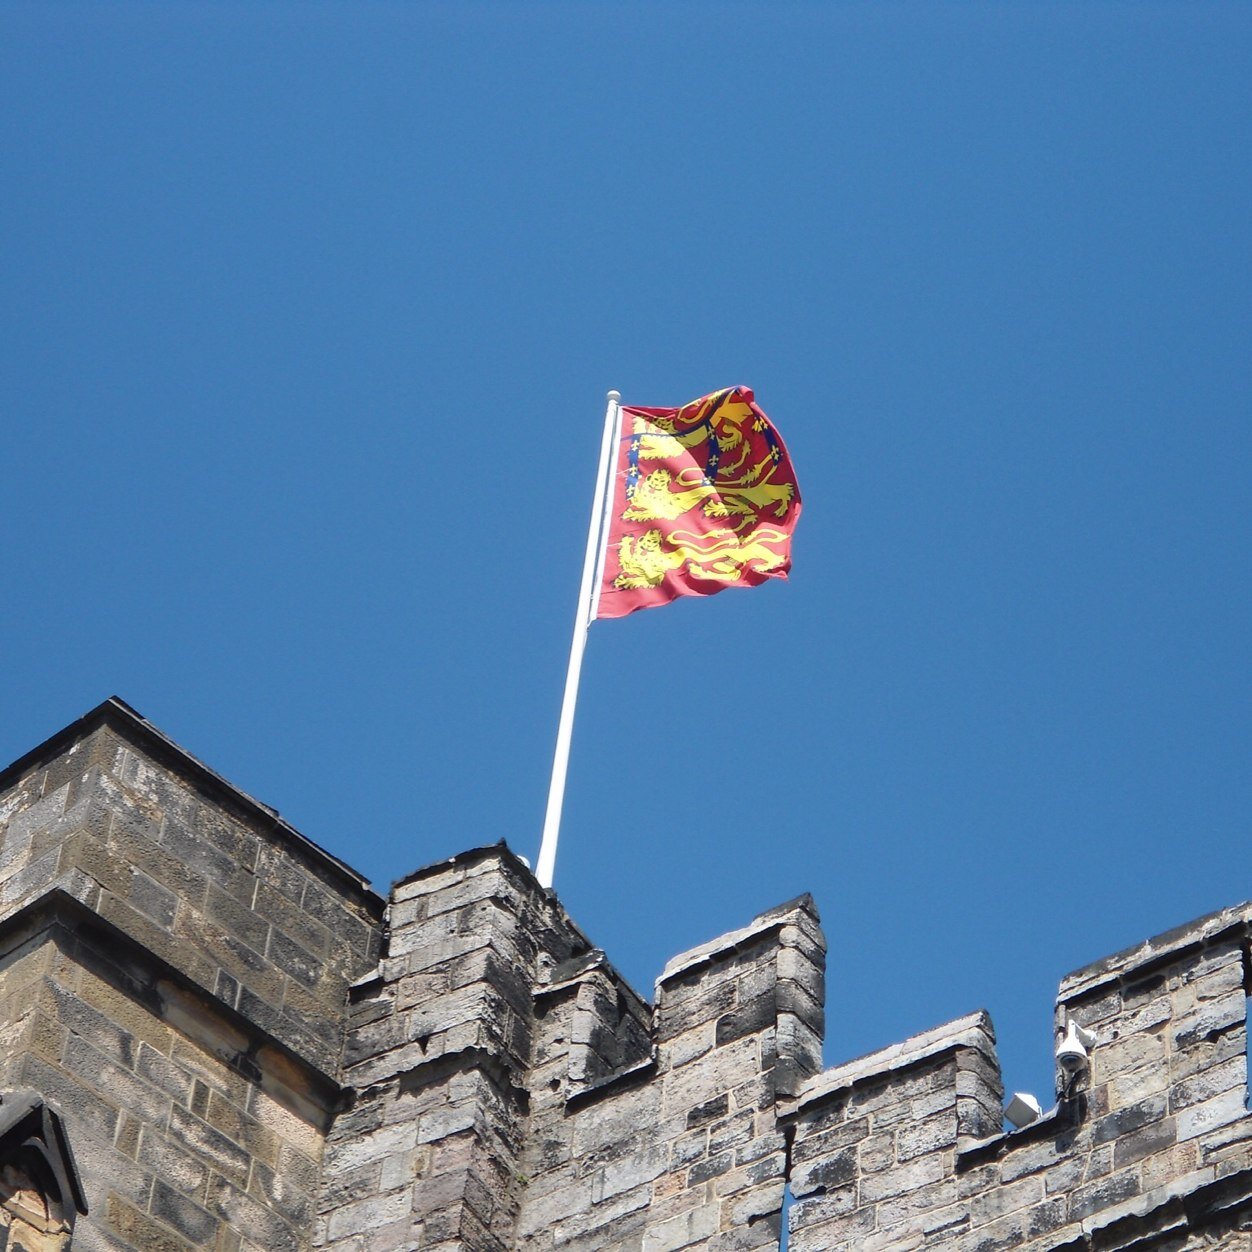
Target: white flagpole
(601,503)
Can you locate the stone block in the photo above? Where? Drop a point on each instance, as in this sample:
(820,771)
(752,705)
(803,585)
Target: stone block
(760,1232)
(151,899)
(606,1215)
(193,1223)
(1211,1019)
(1221,1110)
(930,1135)
(919,1172)
(278,1191)
(1008,1198)
(165,1158)
(631,1172)
(227,1158)
(98,1029)
(165,1075)
(681,1231)
(342,1185)
(218,867)
(1154,1137)
(253,1220)
(375,1146)
(1229,1075)
(260,1142)
(116,1085)
(828,1173)
(1129,1119)
(682,1007)
(818,1224)
(139,1231)
(908,1209)
(1104,1193)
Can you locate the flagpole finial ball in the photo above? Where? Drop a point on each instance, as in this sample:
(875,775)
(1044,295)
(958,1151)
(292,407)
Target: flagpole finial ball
(615,397)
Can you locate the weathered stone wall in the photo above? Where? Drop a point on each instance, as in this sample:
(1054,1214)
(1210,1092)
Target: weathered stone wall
(174,963)
(428,1155)
(178,1145)
(681,1147)
(510,1091)
(247,1053)
(1152,1147)
(874,1141)
(515,1093)
(193,871)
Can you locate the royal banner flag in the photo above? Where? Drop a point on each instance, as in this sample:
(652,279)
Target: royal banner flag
(703,498)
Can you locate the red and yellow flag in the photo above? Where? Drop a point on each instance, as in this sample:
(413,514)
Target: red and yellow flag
(704,497)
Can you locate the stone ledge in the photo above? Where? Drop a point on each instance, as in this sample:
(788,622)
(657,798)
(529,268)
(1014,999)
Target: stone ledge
(1057,1120)
(572,974)
(499,851)
(770,922)
(1161,949)
(451,1064)
(971,1031)
(614,1082)
(1191,1203)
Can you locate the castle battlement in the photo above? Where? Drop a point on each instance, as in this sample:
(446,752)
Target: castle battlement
(216,1035)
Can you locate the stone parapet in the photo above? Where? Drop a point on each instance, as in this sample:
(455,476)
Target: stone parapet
(244,1048)
(1150,1145)
(679,1146)
(874,1141)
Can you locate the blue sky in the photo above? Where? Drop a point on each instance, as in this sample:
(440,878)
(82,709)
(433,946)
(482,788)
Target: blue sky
(309,312)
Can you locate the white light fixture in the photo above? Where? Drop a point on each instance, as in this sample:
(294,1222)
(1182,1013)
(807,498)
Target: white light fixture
(1023,1109)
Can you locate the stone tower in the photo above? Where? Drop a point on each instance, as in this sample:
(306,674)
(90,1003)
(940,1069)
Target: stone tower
(216,1035)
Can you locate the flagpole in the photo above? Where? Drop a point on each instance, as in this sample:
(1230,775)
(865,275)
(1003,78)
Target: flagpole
(582,621)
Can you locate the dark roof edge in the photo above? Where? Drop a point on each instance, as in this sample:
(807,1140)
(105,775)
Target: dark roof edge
(116,712)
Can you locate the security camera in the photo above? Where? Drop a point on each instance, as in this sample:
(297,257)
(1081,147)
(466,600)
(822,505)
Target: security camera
(1071,1052)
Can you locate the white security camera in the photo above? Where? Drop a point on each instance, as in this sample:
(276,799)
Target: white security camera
(1072,1051)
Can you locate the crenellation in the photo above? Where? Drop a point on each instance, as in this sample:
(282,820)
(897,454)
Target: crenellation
(250,1049)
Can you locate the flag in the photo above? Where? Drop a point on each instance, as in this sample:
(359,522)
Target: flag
(703,498)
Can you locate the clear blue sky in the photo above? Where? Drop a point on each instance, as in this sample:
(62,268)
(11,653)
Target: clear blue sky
(309,313)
